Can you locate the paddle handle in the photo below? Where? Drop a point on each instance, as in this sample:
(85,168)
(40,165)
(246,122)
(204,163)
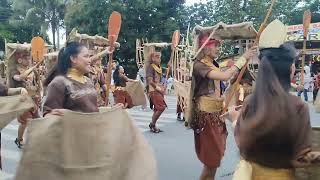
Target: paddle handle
(306,24)
(109,74)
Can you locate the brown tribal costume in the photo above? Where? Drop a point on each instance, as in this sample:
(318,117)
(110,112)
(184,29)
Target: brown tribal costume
(156,98)
(209,130)
(68,93)
(21,74)
(33,88)
(120,94)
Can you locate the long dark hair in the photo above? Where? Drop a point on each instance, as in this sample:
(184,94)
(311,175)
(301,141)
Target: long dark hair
(116,76)
(269,110)
(64,61)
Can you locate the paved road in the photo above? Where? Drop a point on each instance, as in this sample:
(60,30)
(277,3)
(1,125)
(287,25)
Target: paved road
(174,148)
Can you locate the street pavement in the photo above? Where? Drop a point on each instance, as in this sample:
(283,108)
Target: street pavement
(173,148)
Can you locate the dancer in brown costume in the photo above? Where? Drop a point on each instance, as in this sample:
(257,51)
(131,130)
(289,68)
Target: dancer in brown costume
(155,90)
(209,129)
(68,87)
(31,83)
(120,94)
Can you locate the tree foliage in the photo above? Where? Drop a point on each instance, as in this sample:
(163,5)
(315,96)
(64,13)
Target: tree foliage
(40,15)
(154,20)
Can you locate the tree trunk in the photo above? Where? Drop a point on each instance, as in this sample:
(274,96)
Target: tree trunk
(53,28)
(58,37)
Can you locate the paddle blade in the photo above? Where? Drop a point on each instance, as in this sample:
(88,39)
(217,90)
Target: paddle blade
(306,22)
(114,26)
(175,38)
(37,49)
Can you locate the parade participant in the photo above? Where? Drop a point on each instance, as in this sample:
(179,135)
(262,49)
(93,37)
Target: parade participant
(23,78)
(316,86)
(83,138)
(70,88)
(274,143)
(210,131)
(155,90)
(120,94)
(98,78)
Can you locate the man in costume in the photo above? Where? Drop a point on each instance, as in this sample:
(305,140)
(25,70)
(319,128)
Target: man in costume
(210,131)
(155,89)
(23,77)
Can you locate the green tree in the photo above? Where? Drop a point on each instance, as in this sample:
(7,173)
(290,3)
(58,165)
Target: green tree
(155,20)
(11,32)
(313,6)
(5,13)
(40,14)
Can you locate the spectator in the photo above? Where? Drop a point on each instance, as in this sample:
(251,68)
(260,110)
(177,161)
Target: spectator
(307,82)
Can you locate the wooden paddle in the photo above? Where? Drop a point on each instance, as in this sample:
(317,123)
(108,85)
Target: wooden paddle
(175,42)
(38,51)
(113,33)
(244,68)
(306,24)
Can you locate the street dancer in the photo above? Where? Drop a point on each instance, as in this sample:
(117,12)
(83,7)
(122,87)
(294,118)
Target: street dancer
(120,94)
(156,90)
(210,131)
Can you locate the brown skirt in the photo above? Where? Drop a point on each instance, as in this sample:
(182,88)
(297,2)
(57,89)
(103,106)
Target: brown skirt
(210,135)
(157,100)
(123,97)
